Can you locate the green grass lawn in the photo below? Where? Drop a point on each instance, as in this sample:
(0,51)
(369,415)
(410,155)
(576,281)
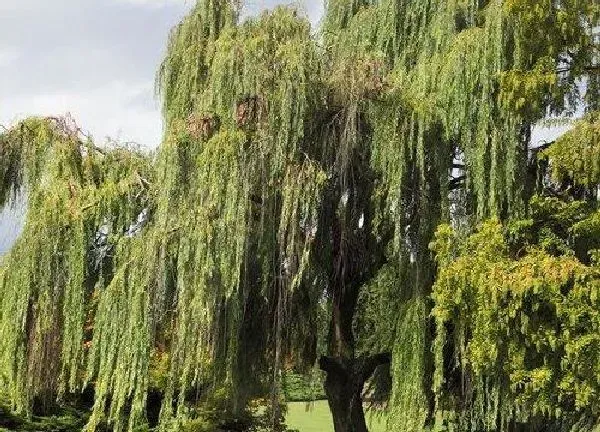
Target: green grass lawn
(317,418)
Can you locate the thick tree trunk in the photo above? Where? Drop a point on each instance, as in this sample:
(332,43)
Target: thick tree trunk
(344,394)
(344,382)
(355,255)
(346,374)
(343,387)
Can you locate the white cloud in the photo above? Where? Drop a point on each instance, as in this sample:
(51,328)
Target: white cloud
(91,58)
(125,111)
(543,134)
(12,218)
(94,59)
(8,56)
(13,5)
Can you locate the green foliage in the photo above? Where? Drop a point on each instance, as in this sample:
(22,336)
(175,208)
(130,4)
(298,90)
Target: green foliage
(409,397)
(158,370)
(304,387)
(522,329)
(45,280)
(184,67)
(478,69)
(576,154)
(67,419)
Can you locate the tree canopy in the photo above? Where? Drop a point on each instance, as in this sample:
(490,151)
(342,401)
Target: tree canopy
(375,178)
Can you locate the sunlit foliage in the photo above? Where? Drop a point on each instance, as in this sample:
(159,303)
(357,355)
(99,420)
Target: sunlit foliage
(518,313)
(576,154)
(80,200)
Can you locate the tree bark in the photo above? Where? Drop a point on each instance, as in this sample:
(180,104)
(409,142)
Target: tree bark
(347,374)
(352,255)
(345,402)
(343,387)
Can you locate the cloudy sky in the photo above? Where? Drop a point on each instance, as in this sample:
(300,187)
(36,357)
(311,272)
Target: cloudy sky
(94,59)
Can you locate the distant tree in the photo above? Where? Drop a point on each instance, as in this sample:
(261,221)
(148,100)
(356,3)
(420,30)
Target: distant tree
(303,174)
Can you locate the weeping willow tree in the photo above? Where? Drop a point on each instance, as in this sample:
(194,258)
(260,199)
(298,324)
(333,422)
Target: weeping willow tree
(78,196)
(450,91)
(299,173)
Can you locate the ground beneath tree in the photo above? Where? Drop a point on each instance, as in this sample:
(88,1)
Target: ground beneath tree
(318,418)
(67,420)
(301,416)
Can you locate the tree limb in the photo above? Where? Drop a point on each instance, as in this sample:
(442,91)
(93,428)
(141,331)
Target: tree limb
(543,146)
(332,365)
(371,363)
